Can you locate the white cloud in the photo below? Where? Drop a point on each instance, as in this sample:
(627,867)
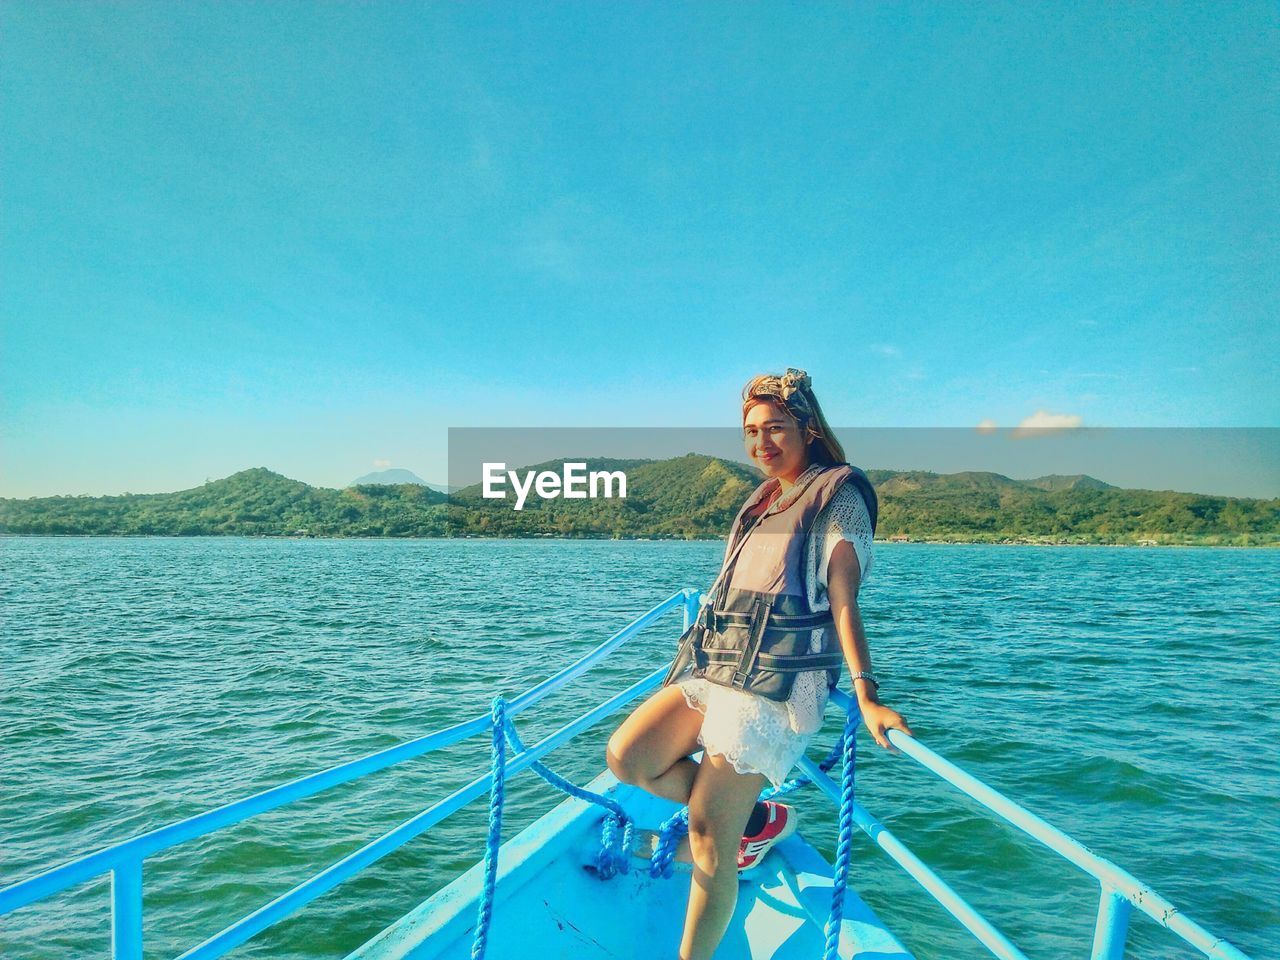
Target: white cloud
(886,349)
(986,426)
(1042,423)
(382,464)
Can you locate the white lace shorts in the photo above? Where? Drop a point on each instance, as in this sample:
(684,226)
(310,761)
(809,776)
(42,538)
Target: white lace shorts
(755,734)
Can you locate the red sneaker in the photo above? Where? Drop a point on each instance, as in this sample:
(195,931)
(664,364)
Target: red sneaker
(780,824)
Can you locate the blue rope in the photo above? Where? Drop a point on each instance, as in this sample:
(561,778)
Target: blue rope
(498,769)
(614,855)
(849,748)
(796,783)
(669,834)
(615,843)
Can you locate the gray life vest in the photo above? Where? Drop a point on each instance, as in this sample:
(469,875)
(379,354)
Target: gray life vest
(754,634)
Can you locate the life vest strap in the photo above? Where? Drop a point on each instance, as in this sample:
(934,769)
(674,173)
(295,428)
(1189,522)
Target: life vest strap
(799,663)
(777,623)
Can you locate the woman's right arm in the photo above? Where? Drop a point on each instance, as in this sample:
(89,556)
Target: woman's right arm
(843,577)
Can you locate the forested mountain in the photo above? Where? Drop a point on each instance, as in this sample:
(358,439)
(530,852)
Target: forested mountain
(686,497)
(251,502)
(689,497)
(989,507)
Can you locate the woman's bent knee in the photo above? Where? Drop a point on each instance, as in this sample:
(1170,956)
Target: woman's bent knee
(622,764)
(659,733)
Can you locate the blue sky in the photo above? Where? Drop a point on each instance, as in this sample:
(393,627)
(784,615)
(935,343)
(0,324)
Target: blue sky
(313,237)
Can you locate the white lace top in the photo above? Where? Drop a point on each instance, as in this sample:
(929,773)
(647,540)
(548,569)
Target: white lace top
(758,735)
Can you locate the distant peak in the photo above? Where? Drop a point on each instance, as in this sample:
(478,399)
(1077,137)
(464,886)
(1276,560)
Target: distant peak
(393,477)
(1076,481)
(256,473)
(255,477)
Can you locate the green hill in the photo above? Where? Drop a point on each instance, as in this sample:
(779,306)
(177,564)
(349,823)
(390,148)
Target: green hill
(687,497)
(253,502)
(989,507)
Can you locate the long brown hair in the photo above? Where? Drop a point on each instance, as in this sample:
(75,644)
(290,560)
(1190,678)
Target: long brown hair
(793,394)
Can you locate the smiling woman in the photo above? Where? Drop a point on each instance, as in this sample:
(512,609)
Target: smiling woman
(751,679)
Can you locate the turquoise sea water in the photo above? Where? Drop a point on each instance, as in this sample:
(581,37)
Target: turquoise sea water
(1127,695)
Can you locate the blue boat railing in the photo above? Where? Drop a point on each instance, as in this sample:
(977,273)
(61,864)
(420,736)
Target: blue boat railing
(1120,891)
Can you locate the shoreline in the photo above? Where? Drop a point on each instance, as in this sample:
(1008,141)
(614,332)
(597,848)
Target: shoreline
(543,539)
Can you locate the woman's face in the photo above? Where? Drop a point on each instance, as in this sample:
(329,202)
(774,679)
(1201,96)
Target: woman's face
(774,441)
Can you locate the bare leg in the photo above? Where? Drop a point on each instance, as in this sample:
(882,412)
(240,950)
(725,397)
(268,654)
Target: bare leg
(719,805)
(651,748)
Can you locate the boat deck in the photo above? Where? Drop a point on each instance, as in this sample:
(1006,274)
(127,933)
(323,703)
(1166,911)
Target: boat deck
(550,899)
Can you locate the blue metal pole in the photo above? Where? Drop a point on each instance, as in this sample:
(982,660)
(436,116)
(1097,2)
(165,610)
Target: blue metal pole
(1106,872)
(922,873)
(126,911)
(531,696)
(1113,925)
(293,900)
(691,605)
(94,864)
